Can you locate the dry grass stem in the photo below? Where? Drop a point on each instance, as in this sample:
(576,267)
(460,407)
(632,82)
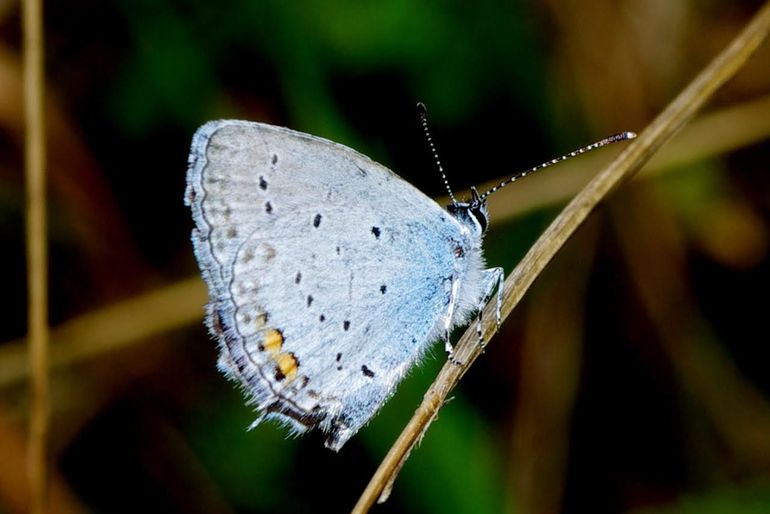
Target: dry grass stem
(678,112)
(37,249)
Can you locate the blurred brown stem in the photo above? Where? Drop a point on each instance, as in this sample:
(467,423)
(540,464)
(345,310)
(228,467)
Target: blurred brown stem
(737,411)
(549,377)
(678,112)
(37,265)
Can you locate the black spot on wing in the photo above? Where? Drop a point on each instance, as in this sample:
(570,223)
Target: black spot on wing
(376,232)
(317,220)
(367,372)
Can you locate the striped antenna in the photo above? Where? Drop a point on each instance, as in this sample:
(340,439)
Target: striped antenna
(422,111)
(622,136)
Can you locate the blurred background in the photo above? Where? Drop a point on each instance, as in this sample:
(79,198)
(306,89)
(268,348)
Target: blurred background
(633,379)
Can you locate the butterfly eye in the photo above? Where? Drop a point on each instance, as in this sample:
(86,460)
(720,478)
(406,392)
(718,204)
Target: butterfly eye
(480,214)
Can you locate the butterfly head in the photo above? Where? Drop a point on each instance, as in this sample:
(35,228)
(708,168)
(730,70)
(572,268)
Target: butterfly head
(472,213)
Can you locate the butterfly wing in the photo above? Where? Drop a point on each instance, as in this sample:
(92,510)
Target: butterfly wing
(326,271)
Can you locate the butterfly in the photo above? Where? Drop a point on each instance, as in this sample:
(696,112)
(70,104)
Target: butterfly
(329,276)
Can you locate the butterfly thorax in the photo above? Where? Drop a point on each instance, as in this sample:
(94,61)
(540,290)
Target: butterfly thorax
(469,264)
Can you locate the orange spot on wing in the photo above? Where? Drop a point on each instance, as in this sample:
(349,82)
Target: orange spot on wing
(273,341)
(287,365)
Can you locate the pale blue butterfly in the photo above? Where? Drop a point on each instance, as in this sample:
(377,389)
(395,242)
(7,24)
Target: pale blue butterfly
(329,276)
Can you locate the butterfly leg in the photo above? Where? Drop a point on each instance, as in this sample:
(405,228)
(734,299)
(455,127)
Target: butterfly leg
(493,278)
(448,322)
(448,348)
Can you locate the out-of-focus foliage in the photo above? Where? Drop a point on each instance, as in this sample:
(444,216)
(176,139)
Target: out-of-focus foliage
(634,379)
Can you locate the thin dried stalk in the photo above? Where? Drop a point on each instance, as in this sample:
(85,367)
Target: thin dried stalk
(37,264)
(113,327)
(684,106)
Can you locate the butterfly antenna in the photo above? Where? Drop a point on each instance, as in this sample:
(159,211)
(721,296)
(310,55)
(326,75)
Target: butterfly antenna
(422,111)
(622,136)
